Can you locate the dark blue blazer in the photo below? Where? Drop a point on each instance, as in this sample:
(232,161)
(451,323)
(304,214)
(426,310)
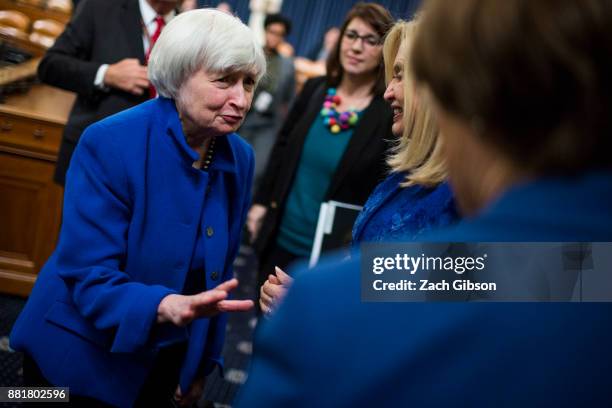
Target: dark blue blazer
(326,348)
(133,207)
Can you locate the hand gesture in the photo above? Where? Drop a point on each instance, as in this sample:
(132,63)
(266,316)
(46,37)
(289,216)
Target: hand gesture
(180,310)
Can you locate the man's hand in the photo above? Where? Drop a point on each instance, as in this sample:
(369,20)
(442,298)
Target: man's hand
(180,310)
(127,75)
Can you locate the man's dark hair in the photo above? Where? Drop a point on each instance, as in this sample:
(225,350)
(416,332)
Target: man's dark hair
(278,18)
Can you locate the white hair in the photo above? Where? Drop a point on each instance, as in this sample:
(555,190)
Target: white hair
(205,39)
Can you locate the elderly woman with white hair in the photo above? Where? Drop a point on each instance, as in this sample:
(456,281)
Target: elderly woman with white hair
(129,309)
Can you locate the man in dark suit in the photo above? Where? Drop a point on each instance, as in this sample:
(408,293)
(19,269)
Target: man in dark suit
(101,56)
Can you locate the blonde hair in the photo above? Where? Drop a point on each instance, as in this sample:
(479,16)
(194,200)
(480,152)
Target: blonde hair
(418,150)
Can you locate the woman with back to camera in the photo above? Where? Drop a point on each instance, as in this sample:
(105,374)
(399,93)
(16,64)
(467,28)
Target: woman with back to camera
(523,93)
(331,147)
(128,311)
(414,198)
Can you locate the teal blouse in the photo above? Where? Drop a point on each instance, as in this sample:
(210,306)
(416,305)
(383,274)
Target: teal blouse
(320,157)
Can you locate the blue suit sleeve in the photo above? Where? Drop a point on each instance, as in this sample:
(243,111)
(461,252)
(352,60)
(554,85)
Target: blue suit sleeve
(93,245)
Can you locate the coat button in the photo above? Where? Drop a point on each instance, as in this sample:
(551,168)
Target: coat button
(273,204)
(210,231)
(214,275)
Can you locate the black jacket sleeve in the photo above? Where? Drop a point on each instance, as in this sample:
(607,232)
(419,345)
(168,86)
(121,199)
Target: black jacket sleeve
(299,107)
(67,64)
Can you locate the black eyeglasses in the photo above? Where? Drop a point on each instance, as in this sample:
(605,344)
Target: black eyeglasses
(369,40)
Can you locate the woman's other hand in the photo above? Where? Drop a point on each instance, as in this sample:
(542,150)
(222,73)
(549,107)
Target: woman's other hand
(274,290)
(254,219)
(180,310)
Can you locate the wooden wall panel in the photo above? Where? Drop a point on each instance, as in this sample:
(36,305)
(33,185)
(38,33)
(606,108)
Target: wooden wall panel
(30,202)
(30,213)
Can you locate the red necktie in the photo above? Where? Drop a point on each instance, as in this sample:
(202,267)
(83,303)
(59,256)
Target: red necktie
(159,20)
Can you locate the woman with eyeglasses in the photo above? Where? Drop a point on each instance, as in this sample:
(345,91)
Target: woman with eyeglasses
(331,147)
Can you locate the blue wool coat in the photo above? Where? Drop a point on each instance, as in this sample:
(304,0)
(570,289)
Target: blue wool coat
(133,207)
(327,348)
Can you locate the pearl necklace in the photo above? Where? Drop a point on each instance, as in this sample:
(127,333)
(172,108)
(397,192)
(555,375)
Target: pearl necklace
(204,163)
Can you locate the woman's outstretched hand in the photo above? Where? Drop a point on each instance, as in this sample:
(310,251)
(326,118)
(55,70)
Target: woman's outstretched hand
(180,310)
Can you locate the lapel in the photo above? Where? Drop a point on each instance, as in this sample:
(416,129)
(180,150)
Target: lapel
(301,130)
(367,129)
(200,199)
(132,26)
(173,176)
(314,109)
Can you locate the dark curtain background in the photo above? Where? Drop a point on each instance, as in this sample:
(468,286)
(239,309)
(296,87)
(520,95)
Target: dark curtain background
(311,18)
(239,7)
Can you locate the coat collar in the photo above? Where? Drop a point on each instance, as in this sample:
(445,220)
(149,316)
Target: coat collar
(549,197)
(225,156)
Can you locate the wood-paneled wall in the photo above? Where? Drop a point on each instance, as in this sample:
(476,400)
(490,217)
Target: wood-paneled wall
(30,203)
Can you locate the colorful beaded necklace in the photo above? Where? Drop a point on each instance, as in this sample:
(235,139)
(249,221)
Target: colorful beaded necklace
(335,120)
